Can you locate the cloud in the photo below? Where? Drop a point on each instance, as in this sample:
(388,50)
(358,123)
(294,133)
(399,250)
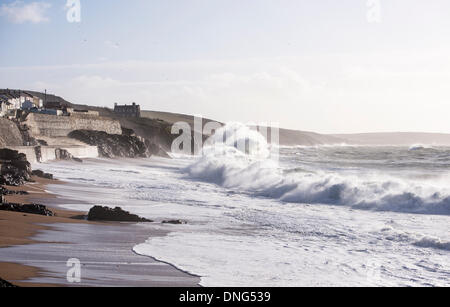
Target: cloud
(19,12)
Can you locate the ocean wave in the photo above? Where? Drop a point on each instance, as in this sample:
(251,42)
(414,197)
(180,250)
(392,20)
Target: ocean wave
(233,169)
(75,179)
(391,234)
(309,188)
(124,171)
(334,145)
(429,242)
(419,147)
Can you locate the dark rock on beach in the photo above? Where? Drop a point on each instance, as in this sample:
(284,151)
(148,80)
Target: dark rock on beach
(4,191)
(41,174)
(113,145)
(99,213)
(5,284)
(15,169)
(28,208)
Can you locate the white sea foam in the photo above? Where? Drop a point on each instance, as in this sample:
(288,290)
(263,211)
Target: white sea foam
(420,147)
(431,242)
(231,168)
(255,222)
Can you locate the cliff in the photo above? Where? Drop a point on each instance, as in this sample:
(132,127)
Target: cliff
(112,145)
(155,128)
(9,134)
(305,138)
(397,138)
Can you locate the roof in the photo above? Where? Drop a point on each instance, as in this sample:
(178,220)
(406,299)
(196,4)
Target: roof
(4,97)
(15,93)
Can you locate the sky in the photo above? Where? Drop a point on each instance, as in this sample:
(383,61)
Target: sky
(327,66)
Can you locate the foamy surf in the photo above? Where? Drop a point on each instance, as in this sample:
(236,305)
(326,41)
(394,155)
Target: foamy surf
(256,173)
(326,216)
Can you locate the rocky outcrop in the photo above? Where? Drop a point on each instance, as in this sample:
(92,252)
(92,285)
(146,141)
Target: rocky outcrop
(15,169)
(4,191)
(154,131)
(5,284)
(156,150)
(99,213)
(28,140)
(41,174)
(28,208)
(63,154)
(113,145)
(9,133)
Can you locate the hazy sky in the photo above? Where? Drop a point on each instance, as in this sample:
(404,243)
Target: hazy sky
(318,65)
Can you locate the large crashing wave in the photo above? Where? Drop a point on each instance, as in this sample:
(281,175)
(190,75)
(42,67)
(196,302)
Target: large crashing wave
(254,172)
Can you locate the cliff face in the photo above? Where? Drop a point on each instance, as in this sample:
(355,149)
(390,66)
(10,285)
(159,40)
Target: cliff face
(9,134)
(61,126)
(155,131)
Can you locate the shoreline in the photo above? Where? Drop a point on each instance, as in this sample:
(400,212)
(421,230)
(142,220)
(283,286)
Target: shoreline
(19,228)
(27,232)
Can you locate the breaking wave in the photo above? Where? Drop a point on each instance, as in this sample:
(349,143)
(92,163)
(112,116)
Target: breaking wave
(424,241)
(255,173)
(417,147)
(429,242)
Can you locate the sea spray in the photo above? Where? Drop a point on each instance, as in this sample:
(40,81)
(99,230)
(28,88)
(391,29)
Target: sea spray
(252,171)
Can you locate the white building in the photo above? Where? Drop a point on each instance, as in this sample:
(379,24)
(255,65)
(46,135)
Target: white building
(3,107)
(15,100)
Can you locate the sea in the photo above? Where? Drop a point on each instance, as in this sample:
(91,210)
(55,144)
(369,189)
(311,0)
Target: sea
(328,215)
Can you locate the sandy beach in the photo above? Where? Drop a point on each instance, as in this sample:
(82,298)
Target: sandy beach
(34,249)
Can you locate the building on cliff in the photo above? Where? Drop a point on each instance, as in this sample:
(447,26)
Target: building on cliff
(4,107)
(132,110)
(16,100)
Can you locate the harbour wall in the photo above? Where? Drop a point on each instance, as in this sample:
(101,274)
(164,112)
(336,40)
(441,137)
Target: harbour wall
(60,126)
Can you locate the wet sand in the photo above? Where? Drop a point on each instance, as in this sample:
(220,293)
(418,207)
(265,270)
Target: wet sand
(34,249)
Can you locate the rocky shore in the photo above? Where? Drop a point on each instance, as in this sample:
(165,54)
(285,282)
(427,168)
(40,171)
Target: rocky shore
(26,208)
(41,174)
(15,169)
(5,284)
(48,241)
(99,213)
(4,192)
(113,145)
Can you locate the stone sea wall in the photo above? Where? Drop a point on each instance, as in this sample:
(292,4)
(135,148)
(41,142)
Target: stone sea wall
(48,153)
(61,126)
